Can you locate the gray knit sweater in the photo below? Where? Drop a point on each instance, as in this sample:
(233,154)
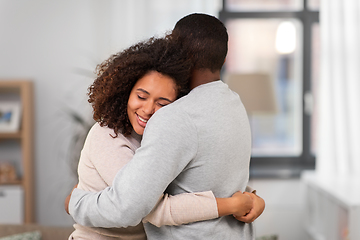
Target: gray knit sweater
(198,143)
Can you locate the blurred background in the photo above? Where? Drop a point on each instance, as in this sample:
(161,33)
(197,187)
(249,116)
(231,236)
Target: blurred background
(273,63)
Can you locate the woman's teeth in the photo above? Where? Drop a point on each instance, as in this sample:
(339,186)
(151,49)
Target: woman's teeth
(143,120)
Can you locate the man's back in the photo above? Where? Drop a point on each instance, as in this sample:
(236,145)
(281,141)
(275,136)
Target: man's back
(220,130)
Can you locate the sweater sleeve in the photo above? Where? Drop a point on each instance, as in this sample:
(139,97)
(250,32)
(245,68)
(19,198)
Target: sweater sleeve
(110,155)
(250,189)
(138,186)
(183,208)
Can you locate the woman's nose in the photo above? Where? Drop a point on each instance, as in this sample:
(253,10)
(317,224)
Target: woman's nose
(149,108)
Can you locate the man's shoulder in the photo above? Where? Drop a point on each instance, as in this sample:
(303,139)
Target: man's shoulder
(174,116)
(176,108)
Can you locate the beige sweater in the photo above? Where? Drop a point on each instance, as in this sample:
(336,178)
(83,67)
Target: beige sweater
(101,158)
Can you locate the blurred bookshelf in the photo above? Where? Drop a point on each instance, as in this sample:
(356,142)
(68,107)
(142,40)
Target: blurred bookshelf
(17,194)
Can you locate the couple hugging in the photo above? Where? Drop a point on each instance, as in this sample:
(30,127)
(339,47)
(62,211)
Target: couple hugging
(188,179)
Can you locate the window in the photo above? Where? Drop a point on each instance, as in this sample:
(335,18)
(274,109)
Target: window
(273,64)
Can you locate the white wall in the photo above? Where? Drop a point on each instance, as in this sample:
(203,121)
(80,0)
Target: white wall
(57,45)
(44,41)
(284,206)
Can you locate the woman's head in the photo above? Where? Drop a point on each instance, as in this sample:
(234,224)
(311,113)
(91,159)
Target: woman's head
(151,92)
(117,76)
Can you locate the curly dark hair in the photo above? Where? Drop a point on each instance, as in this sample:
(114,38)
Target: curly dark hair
(117,75)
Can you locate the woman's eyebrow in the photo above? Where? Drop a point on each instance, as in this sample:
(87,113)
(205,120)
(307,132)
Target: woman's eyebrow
(143,90)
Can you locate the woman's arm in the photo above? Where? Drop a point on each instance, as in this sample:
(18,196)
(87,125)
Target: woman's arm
(183,208)
(192,207)
(109,155)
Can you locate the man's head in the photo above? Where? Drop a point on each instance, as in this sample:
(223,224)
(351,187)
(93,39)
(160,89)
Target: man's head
(205,39)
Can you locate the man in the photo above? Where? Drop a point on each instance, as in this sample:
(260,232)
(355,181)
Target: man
(197,143)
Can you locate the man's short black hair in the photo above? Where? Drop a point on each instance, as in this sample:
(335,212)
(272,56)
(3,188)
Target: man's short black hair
(205,38)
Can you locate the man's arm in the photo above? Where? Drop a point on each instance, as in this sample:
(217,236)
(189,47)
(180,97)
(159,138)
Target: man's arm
(193,207)
(168,144)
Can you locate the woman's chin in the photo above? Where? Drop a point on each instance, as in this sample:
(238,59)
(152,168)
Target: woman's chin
(139,131)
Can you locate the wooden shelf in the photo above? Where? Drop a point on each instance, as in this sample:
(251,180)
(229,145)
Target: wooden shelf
(24,89)
(16,135)
(16,182)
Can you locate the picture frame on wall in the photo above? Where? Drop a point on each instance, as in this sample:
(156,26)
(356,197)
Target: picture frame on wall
(10,116)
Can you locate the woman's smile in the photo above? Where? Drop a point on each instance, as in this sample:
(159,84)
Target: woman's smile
(150,93)
(142,121)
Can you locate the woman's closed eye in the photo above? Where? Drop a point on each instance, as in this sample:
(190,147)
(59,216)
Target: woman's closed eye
(162,104)
(141,97)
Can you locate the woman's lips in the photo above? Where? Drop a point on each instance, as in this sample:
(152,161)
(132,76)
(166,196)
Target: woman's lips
(142,122)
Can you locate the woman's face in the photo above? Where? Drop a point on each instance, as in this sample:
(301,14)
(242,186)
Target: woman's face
(150,93)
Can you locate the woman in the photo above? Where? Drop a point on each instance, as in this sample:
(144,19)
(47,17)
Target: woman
(131,86)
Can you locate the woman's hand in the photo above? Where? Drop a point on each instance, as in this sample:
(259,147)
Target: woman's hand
(239,204)
(255,212)
(243,203)
(67,200)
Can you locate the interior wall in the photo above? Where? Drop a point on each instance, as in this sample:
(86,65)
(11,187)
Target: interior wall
(45,41)
(284,208)
(57,45)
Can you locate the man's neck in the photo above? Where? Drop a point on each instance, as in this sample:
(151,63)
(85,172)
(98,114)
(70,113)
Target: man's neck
(203,76)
